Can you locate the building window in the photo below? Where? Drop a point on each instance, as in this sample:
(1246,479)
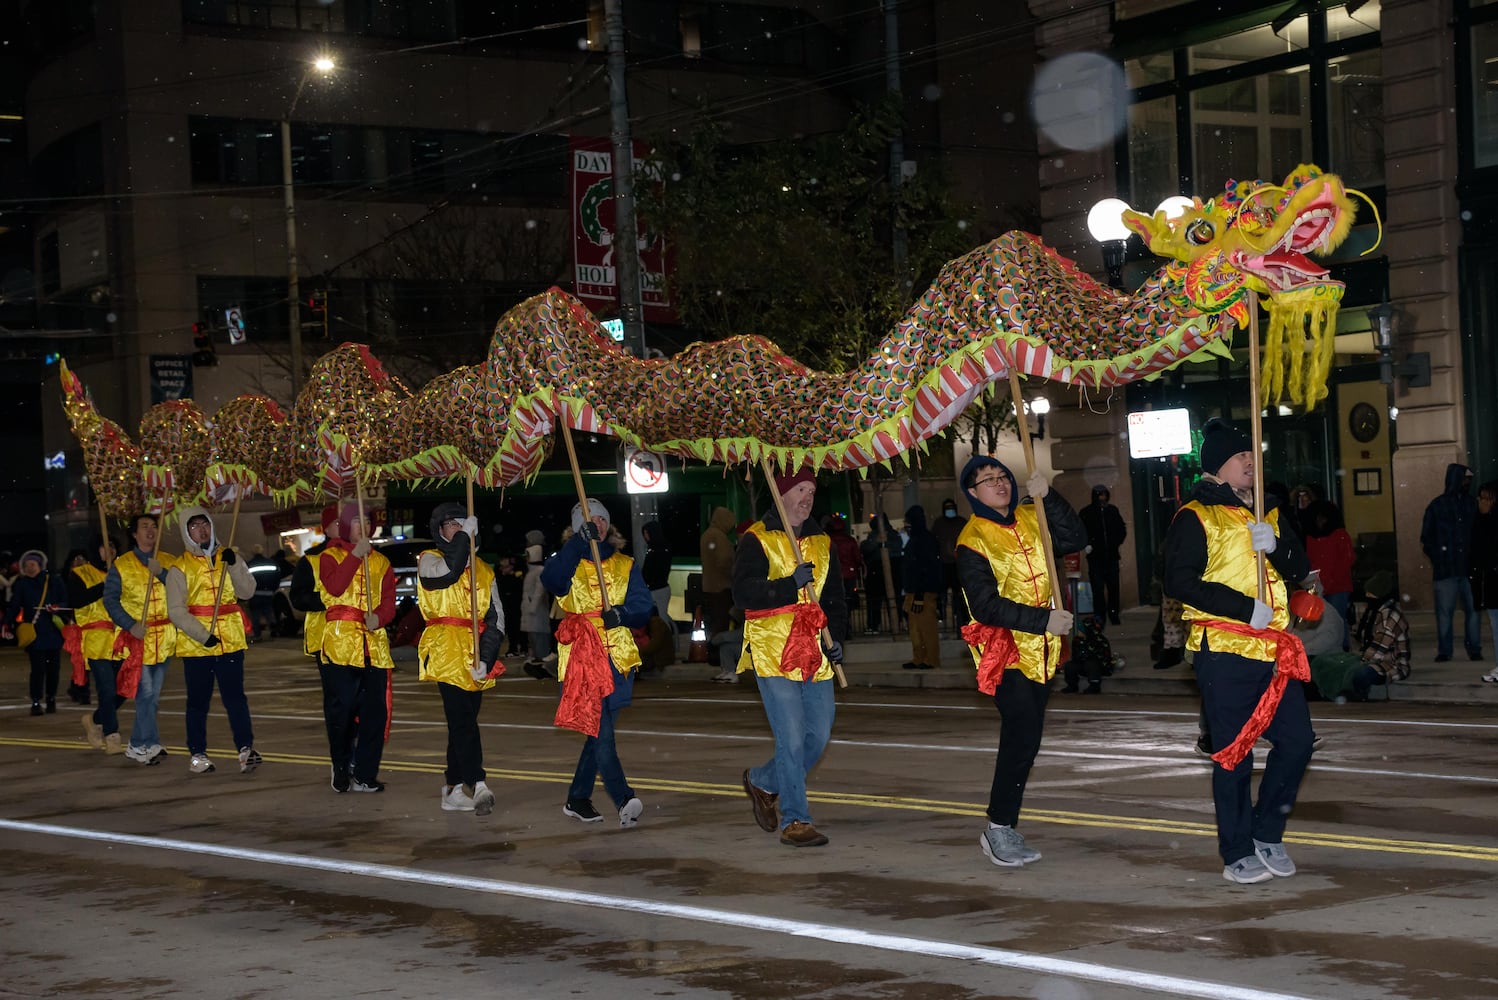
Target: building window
(1485,94)
(1154,168)
(1253,128)
(1355,118)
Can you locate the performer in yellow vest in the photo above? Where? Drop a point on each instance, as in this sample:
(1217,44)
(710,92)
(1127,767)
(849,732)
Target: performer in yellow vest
(1015,635)
(96,645)
(303,594)
(135,597)
(1245,660)
(357,587)
(446,651)
(203,591)
(589,631)
(783,646)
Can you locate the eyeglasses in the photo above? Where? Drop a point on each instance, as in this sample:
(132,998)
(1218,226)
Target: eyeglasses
(991,480)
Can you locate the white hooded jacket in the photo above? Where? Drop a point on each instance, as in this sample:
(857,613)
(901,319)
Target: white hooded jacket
(240,578)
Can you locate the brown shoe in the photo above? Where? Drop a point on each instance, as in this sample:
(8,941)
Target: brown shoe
(799,834)
(766,809)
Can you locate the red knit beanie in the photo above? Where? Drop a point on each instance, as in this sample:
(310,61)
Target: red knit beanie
(329,515)
(788,480)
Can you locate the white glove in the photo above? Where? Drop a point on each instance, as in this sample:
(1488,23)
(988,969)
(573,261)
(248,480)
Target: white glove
(1261,616)
(362,549)
(470,526)
(1037,486)
(480,671)
(1263,537)
(1087,551)
(371,621)
(1059,622)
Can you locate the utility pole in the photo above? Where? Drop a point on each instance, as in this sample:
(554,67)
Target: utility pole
(293,288)
(626,247)
(912,491)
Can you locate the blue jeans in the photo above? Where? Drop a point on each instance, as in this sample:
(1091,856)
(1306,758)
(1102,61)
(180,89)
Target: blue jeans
(143,732)
(107,713)
(800,714)
(1450,591)
(200,672)
(599,758)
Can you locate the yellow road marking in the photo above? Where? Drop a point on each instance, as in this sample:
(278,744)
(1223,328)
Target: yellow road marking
(1103,821)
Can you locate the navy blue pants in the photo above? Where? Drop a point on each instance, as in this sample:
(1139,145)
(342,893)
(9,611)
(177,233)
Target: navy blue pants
(200,672)
(1230,687)
(353,707)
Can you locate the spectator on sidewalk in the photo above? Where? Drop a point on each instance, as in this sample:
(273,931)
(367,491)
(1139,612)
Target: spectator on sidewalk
(946,529)
(1384,635)
(883,541)
(715,549)
(1484,557)
(1105,533)
(1329,547)
(1446,538)
(921,567)
(655,568)
(849,557)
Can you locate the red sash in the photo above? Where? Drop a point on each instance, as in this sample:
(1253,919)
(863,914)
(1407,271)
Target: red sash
(345,613)
(1289,664)
(72,641)
(128,676)
(803,648)
(588,669)
(999,651)
(458,623)
(207,609)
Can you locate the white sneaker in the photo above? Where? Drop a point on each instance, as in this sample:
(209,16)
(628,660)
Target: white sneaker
(483,800)
(200,764)
(142,755)
(454,799)
(249,759)
(729,676)
(1491,676)
(629,813)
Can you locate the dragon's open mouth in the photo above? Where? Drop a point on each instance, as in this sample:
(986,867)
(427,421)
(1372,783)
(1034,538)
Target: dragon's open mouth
(1286,265)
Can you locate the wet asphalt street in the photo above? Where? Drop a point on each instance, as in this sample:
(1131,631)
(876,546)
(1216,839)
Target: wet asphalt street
(120,880)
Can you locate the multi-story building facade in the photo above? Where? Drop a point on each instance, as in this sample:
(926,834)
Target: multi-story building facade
(1401,98)
(428,167)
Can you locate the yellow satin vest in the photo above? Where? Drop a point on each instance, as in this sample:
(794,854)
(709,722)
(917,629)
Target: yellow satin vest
(582,598)
(348,643)
(313,622)
(1230,561)
(1017,558)
(98,643)
(446,651)
(765,638)
(161,639)
(203,582)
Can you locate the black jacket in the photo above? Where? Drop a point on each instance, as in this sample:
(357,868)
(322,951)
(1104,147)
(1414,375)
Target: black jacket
(1105,530)
(986,604)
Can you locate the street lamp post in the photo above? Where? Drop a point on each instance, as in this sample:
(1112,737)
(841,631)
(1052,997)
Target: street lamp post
(1105,223)
(323,65)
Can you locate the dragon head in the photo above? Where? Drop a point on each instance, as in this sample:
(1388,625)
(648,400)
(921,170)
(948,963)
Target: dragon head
(1255,236)
(1259,237)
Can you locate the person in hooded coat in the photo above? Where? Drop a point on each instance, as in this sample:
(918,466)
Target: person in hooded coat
(1014,632)
(446,651)
(1244,653)
(922,570)
(1105,533)
(1446,538)
(655,568)
(203,588)
(35,595)
(716,552)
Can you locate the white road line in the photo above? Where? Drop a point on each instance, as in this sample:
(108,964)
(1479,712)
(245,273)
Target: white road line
(924,947)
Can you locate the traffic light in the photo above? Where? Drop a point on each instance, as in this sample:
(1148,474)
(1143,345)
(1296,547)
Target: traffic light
(203,354)
(317,303)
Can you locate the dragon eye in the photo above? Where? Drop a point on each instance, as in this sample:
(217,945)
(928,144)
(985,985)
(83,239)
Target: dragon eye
(1200,232)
